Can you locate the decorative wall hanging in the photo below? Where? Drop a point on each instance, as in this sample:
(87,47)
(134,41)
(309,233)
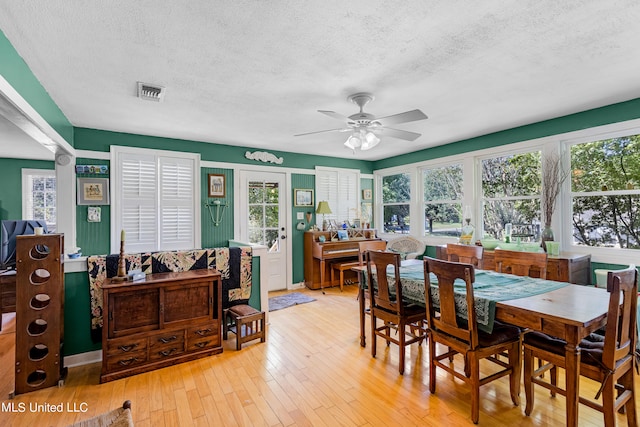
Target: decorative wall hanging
(94,214)
(93,191)
(303,197)
(217,213)
(264,156)
(94,169)
(216,185)
(366,194)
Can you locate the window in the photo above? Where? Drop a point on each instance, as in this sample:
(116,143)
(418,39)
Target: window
(443,200)
(605,192)
(511,187)
(264,214)
(155,200)
(396,195)
(340,188)
(39,190)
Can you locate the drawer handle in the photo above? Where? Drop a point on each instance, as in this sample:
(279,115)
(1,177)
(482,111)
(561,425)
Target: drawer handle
(166,340)
(128,362)
(203,332)
(129,347)
(167,352)
(202,344)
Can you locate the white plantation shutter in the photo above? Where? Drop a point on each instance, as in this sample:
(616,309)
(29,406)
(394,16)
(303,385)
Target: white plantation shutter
(339,187)
(155,200)
(176,204)
(138,207)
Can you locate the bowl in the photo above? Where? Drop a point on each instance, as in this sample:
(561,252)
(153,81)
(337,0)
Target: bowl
(531,246)
(509,246)
(76,255)
(490,243)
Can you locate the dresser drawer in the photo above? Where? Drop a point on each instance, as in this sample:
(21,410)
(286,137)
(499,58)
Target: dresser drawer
(119,346)
(203,343)
(166,344)
(126,360)
(204,330)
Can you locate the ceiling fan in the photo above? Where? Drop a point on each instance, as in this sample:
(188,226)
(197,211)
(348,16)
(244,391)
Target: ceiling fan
(365,128)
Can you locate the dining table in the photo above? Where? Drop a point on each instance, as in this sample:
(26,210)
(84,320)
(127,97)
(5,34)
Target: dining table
(567,311)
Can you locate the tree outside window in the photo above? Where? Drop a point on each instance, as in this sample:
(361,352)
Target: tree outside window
(511,187)
(443,200)
(396,195)
(40,196)
(605,186)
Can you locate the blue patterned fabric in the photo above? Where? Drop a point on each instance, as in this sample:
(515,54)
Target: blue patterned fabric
(489,288)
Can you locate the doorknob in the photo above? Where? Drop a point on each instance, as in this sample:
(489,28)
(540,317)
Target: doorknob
(283,237)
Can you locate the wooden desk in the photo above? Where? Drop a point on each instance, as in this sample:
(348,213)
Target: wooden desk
(7,293)
(570,313)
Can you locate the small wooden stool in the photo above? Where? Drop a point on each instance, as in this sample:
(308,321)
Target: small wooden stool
(249,324)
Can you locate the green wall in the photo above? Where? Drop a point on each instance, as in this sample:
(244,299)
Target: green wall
(216,236)
(11,190)
(622,111)
(300,181)
(19,75)
(99,140)
(93,237)
(77,315)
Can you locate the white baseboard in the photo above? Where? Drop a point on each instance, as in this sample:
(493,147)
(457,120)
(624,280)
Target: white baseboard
(83,358)
(296,286)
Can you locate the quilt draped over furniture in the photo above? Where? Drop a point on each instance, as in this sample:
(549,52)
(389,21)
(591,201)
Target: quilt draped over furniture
(234,264)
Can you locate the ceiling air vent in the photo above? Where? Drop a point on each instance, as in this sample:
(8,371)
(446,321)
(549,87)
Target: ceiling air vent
(150,92)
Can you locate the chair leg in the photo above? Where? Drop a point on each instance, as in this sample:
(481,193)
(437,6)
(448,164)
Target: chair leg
(401,338)
(474,368)
(341,279)
(554,378)
(608,398)
(627,382)
(528,384)
(432,365)
(373,334)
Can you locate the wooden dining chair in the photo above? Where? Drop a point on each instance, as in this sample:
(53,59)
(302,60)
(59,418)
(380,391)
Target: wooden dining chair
(532,264)
(363,246)
(387,304)
(463,337)
(468,254)
(609,360)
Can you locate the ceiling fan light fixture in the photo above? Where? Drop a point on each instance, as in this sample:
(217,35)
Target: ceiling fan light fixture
(370,141)
(352,142)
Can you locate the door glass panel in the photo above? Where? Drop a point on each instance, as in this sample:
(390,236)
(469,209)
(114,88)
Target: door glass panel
(264,214)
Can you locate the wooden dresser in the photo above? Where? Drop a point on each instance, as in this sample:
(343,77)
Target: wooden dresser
(167,318)
(567,267)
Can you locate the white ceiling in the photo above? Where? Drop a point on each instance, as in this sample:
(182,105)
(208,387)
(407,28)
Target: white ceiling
(254,73)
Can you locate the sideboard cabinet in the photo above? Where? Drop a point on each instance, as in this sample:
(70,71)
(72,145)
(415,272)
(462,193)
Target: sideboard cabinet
(167,318)
(567,267)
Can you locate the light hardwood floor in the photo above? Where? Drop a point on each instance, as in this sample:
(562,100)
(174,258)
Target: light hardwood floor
(310,372)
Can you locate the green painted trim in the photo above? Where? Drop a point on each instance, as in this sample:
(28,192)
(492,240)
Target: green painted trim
(609,114)
(100,140)
(19,75)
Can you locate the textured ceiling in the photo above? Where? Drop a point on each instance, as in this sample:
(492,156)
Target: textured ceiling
(254,73)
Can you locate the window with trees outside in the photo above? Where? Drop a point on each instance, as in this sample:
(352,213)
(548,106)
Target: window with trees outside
(39,203)
(443,200)
(511,187)
(396,197)
(605,192)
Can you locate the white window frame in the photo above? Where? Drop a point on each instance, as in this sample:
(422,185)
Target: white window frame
(439,165)
(117,201)
(27,196)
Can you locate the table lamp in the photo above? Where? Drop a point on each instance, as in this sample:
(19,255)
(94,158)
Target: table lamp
(323,208)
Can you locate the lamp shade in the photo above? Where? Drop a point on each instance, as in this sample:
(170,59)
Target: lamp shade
(323,208)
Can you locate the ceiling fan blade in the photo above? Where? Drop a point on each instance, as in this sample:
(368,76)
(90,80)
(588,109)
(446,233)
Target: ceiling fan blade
(400,134)
(335,115)
(407,116)
(323,131)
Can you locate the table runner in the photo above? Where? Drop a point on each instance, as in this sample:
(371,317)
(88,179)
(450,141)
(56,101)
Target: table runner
(489,288)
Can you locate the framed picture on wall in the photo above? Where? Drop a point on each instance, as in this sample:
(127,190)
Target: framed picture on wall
(366,194)
(93,191)
(303,197)
(216,185)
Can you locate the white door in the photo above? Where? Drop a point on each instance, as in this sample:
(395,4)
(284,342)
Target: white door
(263,211)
